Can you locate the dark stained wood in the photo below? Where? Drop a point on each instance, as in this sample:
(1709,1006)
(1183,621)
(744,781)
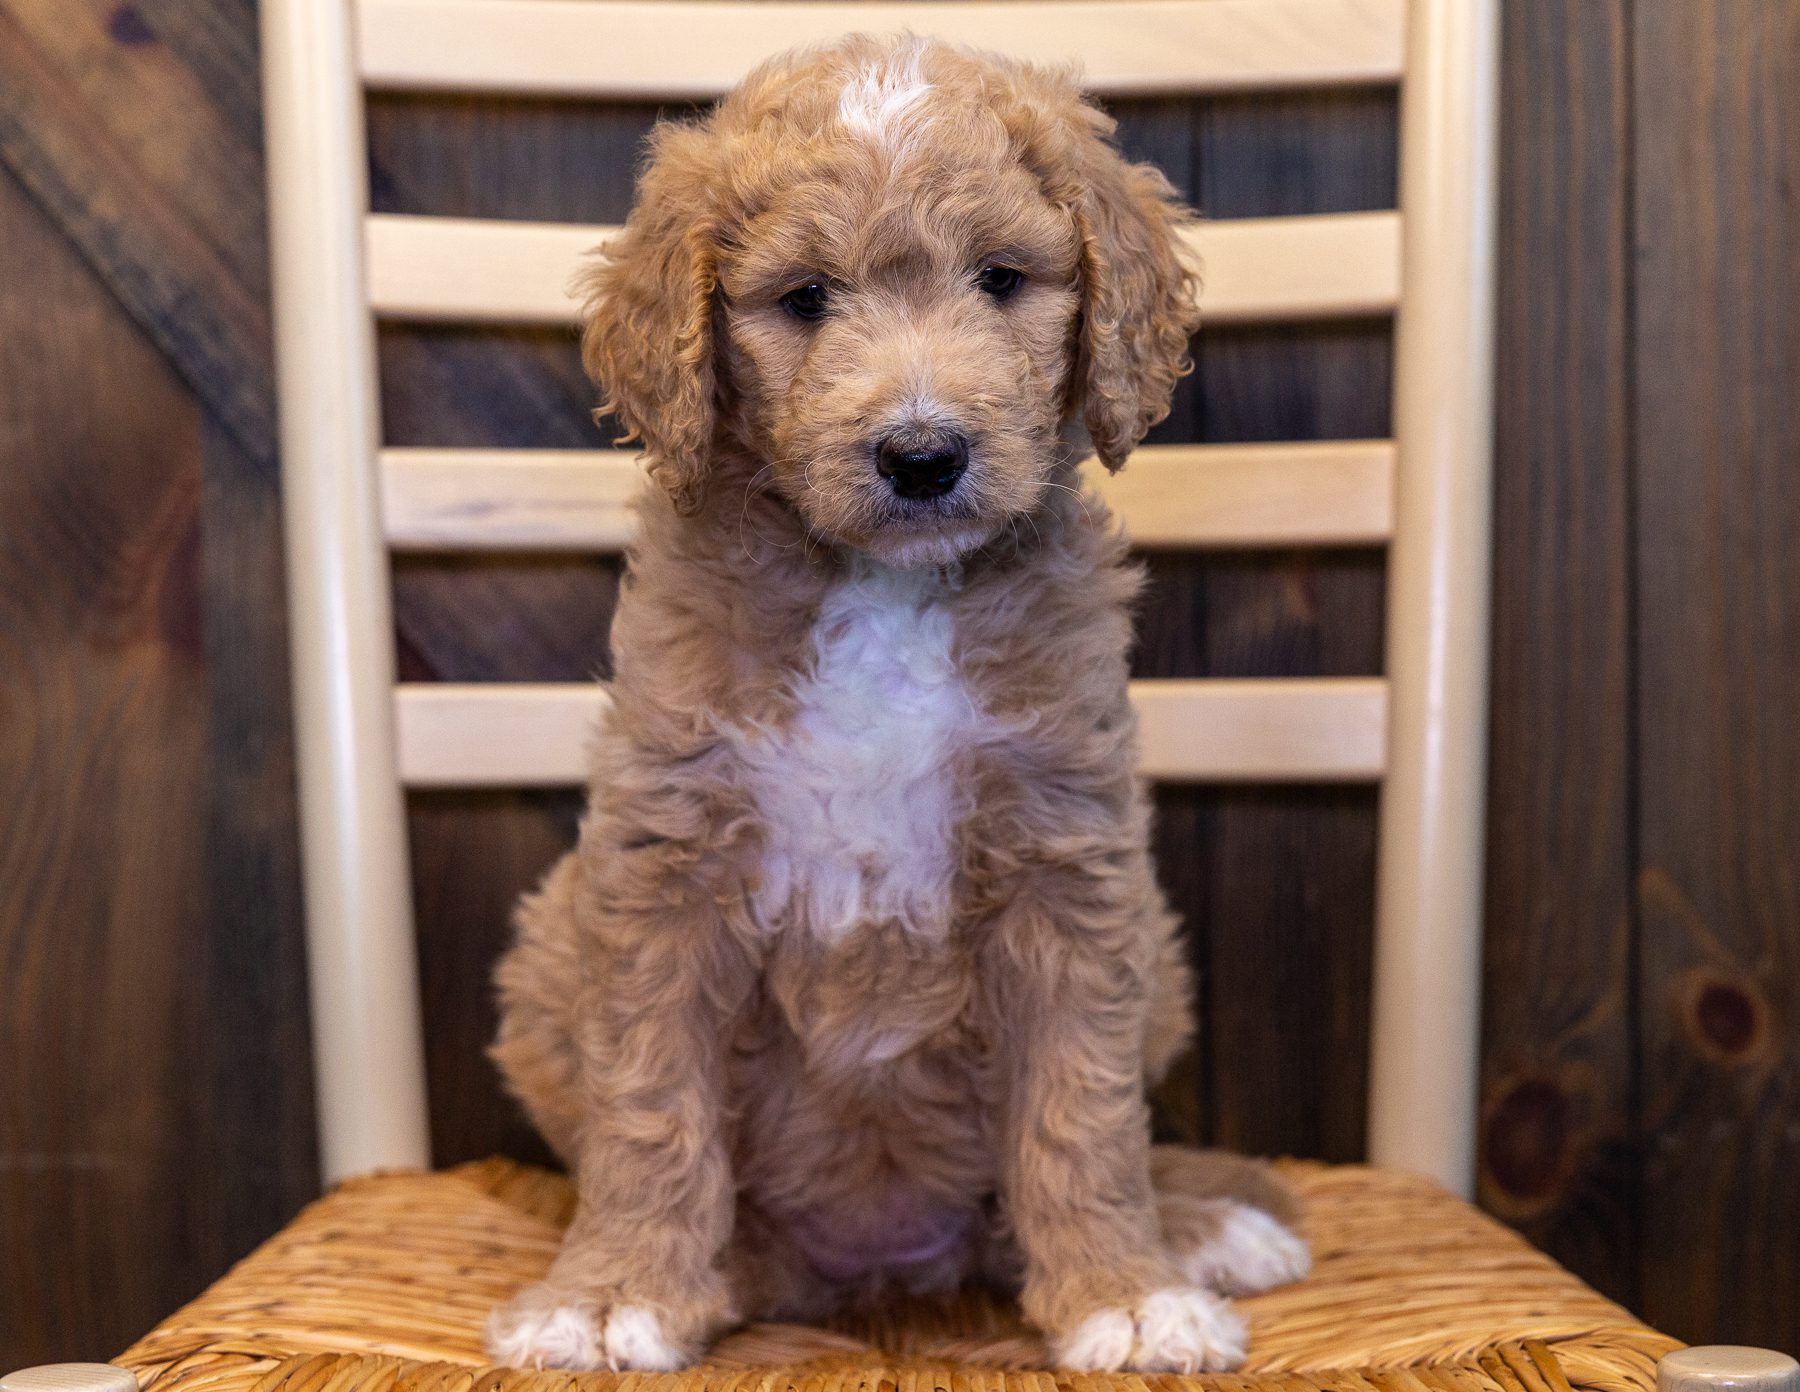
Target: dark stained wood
(557,161)
(247,1040)
(1717,135)
(1287,917)
(216,41)
(1182,1104)
(465,387)
(155,113)
(155,1094)
(103,770)
(473,855)
(537,618)
(1558,1150)
(163,264)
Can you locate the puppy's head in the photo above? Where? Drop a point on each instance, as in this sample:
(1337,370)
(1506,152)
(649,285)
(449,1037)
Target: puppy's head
(908,280)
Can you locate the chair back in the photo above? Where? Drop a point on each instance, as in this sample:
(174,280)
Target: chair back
(1419,731)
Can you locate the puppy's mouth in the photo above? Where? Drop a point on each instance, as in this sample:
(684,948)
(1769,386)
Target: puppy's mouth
(920,514)
(938,532)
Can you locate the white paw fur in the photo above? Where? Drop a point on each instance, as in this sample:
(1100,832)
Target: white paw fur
(1250,1252)
(580,1335)
(1176,1330)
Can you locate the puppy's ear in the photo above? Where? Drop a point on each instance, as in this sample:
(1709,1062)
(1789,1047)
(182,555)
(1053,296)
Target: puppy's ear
(647,337)
(1138,289)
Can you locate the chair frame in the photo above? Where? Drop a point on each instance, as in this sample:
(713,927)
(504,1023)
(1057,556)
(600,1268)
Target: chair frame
(1420,730)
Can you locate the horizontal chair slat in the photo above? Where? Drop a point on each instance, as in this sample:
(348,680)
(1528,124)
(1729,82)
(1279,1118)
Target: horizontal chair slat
(1292,730)
(697,49)
(471,270)
(509,500)
(1337,493)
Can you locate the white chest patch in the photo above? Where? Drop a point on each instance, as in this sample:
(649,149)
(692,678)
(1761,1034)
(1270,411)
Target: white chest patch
(857,793)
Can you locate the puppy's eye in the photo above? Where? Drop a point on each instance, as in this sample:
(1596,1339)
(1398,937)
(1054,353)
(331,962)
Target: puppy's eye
(999,281)
(808,302)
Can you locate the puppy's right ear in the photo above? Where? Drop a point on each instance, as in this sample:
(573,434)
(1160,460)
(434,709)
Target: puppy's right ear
(647,337)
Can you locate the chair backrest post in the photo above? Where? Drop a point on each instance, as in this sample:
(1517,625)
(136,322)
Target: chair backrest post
(1427,970)
(367,1040)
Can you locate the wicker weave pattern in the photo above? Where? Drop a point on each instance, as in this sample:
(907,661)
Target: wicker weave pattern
(383,1285)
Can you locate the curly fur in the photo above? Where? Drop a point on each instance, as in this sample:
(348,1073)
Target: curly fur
(855,979)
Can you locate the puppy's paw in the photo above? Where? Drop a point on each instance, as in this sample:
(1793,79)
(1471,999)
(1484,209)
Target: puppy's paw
(546,1328)
(1248,1251)
(1180,1329)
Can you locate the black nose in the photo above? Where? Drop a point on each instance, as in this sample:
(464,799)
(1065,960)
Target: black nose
(922,466)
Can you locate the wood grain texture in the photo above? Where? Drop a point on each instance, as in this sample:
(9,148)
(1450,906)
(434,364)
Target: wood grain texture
(155,1101)
(248,1045)
(473,855)
(103,737)
(1170,497)
(216,41)
(629,50)
(154,111)
(1717,135)
(161,259)
(1558,1154)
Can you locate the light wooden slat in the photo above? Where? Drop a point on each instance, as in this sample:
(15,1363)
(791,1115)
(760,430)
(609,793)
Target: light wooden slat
(638,49)
(1336,493)
(1327,493)
(1273,730)
(495,734)
(1276,730)
(509,500)
(490,271)
(1327,266)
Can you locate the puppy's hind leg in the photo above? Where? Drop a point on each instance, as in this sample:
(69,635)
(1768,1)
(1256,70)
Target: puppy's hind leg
(1228,1221)
(536,981)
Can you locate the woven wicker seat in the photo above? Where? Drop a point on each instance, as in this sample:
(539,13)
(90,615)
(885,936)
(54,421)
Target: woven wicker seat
(383,1285)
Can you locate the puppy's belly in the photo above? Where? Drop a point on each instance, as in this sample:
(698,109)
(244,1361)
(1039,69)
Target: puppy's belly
(897,1230)
(867,1170)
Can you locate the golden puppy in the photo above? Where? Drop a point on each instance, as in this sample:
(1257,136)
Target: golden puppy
(855,980)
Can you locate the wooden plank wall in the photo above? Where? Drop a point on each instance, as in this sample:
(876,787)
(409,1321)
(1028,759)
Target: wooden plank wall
(155,1089)
(1717,648)
(1560,1152)
(1641,1087)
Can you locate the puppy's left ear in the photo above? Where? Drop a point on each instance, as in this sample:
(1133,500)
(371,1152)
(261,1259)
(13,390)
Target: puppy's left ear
(1138,290)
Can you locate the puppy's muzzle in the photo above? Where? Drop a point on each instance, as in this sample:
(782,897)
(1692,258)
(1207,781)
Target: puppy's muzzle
(922,465)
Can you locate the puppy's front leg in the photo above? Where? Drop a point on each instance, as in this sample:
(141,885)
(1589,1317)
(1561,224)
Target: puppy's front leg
(1098,1280)
(636,1283)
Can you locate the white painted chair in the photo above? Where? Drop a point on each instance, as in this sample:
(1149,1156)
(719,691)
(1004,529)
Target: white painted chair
(1419,731)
